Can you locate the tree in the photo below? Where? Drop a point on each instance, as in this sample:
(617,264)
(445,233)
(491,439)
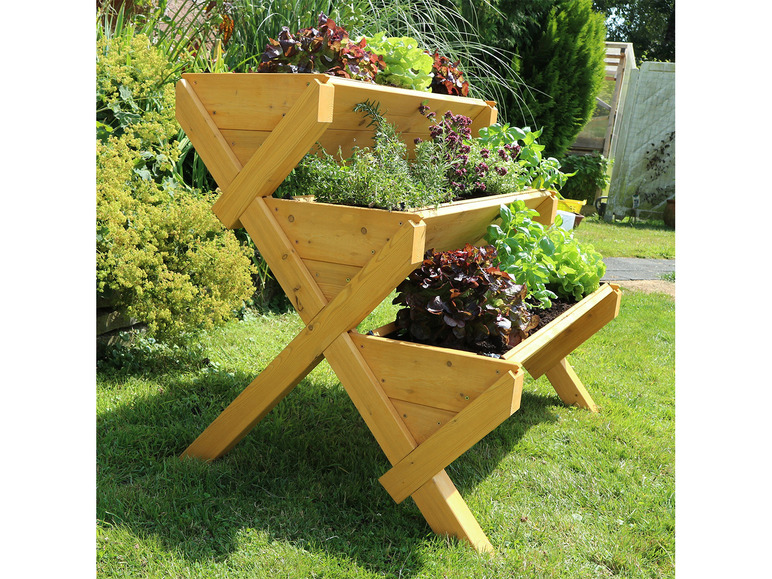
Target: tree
(648,24)
(563,68)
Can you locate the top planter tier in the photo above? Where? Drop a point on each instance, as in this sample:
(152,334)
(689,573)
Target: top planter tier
(252,129)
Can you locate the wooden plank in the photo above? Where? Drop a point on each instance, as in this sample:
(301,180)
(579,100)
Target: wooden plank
(205,136)
(250,101)
(245,143)
(552,343)
(289,270)
(292,138)
(451,226)
(468,427)
(569,387)
(258,101)
(438,500)
(336,233)
(331,277)
(421,421)
(357,300)
(438,377)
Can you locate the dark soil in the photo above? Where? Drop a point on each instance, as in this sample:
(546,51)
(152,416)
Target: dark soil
(546,316)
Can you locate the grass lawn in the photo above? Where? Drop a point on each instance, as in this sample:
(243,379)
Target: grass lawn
(628,239)
(560,492)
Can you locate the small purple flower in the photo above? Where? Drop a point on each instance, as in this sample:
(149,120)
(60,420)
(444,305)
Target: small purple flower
(480,185)
(481,169)
(503,154)
(485,153)
(501,171)
(465,149)
(418,140)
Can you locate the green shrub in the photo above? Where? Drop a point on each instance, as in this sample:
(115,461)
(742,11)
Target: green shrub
(590,173)
(563,68)
(161,250)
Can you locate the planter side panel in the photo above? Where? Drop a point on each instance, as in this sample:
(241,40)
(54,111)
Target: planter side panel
(564,334)
(435,377)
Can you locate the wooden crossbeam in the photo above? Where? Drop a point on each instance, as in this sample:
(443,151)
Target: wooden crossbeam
(287,144)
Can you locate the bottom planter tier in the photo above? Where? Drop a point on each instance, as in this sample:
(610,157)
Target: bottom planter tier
(428,385)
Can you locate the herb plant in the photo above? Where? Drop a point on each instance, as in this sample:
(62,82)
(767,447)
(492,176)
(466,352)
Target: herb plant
(379,176)
(549,261)
(537,172)
(459,299)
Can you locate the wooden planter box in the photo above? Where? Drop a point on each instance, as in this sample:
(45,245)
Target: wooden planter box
(424,405)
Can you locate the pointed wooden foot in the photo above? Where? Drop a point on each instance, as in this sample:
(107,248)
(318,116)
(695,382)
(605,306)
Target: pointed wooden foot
(568,386)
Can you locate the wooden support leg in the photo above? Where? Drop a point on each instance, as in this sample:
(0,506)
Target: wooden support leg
(568,386)
(349,307)
(438,500)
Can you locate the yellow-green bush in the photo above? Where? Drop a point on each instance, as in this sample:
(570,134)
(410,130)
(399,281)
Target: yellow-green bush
(160,249)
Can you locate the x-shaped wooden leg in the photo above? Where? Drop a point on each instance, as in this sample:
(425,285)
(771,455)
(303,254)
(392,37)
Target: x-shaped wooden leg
(438,499)
(368,288)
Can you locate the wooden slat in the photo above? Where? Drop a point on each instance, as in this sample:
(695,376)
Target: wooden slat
(292,138)
(245,143)
(205,136)
(421,421)
(335,233)
(545,349)
(436,377)
(470,425)
(331,277)
(450,226)
(249,101)
(285,263)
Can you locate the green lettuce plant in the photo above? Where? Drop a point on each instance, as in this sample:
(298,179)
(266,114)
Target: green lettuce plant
(549,261)
(405,64)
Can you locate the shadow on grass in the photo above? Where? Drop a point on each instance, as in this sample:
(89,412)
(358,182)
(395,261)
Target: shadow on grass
(307,474)
(629,223)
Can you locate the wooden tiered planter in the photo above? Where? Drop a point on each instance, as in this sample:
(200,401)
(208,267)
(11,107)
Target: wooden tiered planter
(424,405)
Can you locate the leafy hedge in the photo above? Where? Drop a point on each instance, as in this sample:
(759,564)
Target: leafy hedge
(160,252)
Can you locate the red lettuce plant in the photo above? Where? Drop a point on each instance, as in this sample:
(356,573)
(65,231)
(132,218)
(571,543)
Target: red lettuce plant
(325,49)
(448,79)
(459,299)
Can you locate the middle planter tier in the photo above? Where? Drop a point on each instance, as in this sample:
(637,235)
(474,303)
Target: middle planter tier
(336,241)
